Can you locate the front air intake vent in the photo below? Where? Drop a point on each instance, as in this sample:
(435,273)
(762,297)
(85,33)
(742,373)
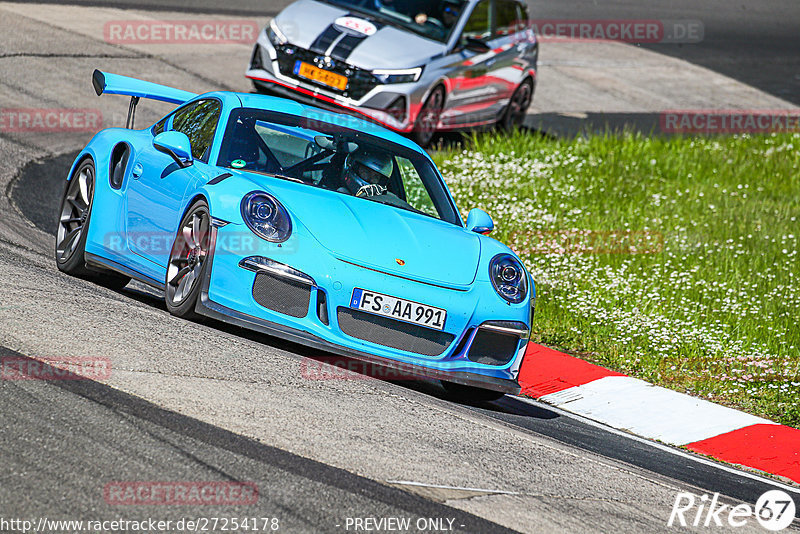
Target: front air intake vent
(393,334)
(281,295)
(493,348)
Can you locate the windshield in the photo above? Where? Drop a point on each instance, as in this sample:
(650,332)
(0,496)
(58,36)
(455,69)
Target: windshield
(434,19)
(329,156)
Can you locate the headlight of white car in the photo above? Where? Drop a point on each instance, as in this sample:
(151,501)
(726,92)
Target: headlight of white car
(398,75)
(275,34)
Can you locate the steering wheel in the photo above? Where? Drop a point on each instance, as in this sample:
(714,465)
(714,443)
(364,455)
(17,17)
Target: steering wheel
(435,22)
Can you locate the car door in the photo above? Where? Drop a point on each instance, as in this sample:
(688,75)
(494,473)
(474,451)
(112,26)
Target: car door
(156,192)
(470,90)
(508,33)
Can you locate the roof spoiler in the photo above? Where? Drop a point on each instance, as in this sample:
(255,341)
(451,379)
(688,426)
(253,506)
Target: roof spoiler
(115,84)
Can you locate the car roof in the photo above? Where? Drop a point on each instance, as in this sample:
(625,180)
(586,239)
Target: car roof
(284,105)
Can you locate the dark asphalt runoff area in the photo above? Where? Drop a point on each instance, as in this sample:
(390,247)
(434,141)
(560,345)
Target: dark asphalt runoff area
(64,441)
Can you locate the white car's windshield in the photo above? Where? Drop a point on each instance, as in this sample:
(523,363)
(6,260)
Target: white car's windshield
(328,156)
(434,19)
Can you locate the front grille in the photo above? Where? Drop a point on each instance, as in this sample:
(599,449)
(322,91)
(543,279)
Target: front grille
(493,348)
(281,295)
(359,81)
(393,334)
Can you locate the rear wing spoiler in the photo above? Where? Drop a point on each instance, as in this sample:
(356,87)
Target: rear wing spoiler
(115,84)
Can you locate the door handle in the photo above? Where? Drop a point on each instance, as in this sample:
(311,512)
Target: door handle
(490,62)
(137,171)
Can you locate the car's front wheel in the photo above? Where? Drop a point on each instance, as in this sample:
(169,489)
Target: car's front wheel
(514,115)
(73,225)
(428,118)
(462,393)
(187,261)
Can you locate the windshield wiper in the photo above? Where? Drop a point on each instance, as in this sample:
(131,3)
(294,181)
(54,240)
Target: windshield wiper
(274,175)
(285,177)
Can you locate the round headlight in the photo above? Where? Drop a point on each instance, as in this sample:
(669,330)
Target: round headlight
(266,217)
(509,278)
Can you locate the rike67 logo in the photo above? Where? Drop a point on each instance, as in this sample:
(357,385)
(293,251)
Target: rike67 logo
(774,510)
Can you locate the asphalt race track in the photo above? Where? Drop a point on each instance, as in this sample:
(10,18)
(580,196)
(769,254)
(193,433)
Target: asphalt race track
(749,40)
(209,402)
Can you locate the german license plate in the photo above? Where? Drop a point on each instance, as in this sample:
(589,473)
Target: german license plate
(331,79)
(397,308)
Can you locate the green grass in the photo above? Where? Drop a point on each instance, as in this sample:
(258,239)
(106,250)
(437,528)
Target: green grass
(711,303)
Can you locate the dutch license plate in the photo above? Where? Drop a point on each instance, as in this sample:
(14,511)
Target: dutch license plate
(397,308)
(331,79)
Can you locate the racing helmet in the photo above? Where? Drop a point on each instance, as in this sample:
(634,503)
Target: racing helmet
(367,166)
(450,10)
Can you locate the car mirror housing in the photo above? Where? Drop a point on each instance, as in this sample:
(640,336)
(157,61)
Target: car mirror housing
(476,45)
(479,221)
(176,145)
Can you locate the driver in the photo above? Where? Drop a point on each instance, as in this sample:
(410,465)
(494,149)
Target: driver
(413,9)
(450,11)
(447,13)
(367,172)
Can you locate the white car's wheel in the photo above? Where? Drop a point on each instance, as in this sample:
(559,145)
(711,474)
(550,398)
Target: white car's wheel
(428,118)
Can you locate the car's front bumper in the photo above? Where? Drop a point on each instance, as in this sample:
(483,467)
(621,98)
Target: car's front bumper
(394,106)
(227,295)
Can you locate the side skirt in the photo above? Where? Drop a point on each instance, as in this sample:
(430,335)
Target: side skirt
(97,262)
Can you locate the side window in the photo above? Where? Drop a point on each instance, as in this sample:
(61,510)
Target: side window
(524,17)
(159,126)
(199,122)
(479,24)
(416,194)
(508,18)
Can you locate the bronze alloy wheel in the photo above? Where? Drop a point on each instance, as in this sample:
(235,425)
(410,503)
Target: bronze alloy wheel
(187,260)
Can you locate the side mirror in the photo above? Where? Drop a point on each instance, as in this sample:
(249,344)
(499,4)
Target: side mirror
(474,44)
(175,145)
(479,221)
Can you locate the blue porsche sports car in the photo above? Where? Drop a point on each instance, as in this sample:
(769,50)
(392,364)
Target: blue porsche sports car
(309,225)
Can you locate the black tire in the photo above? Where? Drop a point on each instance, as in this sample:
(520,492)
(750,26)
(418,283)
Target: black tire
(428,117)
(514,114)
(73,222)
(470,394)
(187,261)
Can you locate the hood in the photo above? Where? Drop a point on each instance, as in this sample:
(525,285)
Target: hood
(364,42)
(375,235)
